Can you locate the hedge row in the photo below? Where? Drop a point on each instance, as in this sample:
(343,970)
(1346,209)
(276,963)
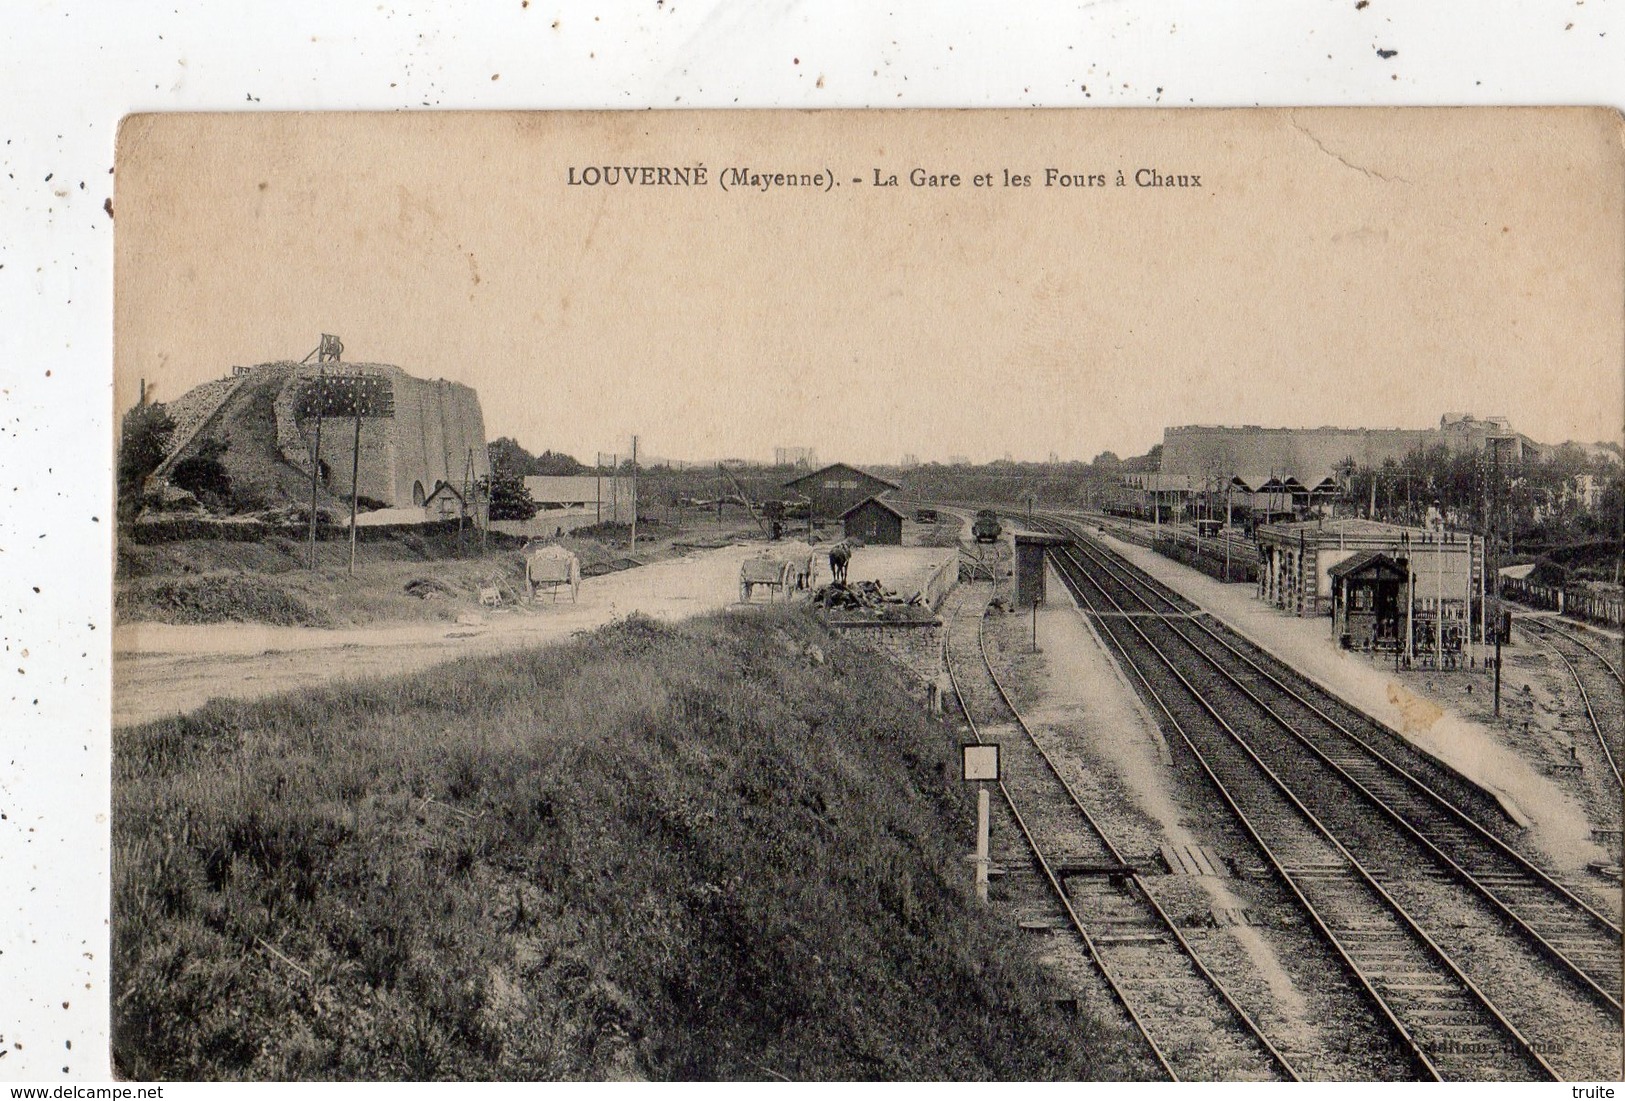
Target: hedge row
(255,531)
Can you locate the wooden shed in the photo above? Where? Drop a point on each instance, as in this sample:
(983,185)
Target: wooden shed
(1368,601)
(874,523)
(837,488)
(1031,547)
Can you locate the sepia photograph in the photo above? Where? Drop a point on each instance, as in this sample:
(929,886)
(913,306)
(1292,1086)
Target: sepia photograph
(934,595)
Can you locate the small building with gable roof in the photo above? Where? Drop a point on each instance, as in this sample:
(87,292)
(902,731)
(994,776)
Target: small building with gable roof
(834,489)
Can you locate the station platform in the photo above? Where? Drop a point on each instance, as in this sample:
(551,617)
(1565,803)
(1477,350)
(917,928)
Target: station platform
(1557,824)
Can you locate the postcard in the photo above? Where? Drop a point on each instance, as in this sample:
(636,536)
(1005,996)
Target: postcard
(1121,595)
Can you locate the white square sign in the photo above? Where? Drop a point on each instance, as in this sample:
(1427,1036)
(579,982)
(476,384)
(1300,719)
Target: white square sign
(981,762)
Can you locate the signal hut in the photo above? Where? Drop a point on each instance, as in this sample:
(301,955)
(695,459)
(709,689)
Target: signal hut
(1031,546)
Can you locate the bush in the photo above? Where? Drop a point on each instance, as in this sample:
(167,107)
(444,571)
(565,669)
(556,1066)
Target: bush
(143,442)
(214,598)
(203,475)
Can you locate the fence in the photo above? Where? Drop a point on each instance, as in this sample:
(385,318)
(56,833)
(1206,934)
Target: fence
(1209,558)
(1609,610)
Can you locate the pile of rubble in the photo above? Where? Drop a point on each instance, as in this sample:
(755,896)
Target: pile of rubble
(866,597)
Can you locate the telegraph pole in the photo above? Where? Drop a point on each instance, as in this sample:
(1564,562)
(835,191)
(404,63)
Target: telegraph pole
(343,396)
(355,489)
(634,541)
(315,472)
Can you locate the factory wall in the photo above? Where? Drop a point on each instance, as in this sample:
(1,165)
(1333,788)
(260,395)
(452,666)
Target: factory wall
(429,439)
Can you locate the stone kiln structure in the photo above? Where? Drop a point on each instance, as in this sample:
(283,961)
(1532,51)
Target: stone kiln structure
(436,434)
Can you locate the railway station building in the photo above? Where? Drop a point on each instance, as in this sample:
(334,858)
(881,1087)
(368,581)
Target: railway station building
(1377,581)
(1149,495)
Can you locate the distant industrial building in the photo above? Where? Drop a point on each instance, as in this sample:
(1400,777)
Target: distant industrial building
(804,457)
(1213,454)
(836,488)
(1258,475)
(577,491)
(874,523)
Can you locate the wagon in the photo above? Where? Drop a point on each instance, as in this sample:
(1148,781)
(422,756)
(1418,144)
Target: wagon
(802,558)
(554,568)
(775,573)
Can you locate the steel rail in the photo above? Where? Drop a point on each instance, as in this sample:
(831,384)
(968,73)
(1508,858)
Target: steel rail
(1548,625)
(1522,924)
(1055,883)
(1251,1026)
(1596,726)
(1495,1015)
(1133,574)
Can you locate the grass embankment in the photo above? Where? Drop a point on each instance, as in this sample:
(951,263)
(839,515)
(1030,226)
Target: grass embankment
(265,581)
(730,849)
(399,577)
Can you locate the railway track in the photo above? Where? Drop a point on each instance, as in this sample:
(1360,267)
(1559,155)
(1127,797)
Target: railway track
(1156,976)
(1425,907)
(1601,699)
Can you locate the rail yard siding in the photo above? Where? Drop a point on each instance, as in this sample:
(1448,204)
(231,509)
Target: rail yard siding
(1573,602)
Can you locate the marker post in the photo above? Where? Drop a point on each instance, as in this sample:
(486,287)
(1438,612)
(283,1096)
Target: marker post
(980,764)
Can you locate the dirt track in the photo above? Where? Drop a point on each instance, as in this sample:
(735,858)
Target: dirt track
(162,669)
(165,669)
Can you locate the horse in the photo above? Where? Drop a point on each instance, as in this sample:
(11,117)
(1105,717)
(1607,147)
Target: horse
(839,556)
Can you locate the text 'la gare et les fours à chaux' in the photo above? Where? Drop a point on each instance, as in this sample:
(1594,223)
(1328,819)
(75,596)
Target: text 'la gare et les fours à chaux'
(826,180)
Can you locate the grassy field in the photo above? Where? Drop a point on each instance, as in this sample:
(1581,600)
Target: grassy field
(732,849)
(265,581)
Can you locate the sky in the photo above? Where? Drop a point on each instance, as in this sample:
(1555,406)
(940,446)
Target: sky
(1333,267)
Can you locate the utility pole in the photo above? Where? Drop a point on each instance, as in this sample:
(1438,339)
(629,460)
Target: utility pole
(1483,565)
(615,488)
(598,494)
(355,490)
(1410,604)
(462,506)
(1438,613)
(634,541)
(342,396)
(1498,670)
(315,471)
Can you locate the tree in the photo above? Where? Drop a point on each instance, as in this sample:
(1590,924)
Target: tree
(143,443)
(510,457)
(558,463)
(509,498)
